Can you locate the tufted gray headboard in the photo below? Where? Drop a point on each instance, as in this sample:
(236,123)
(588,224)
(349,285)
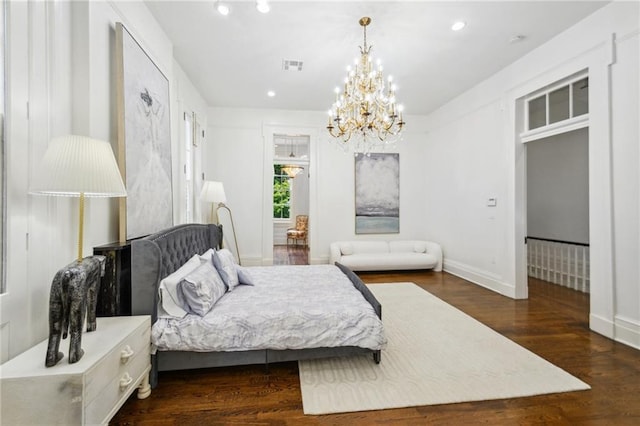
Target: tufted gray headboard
(158,255)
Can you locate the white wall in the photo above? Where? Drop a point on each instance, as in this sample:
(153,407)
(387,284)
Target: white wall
(465,165)
(238,137)
(188,100)
(558,187)
(474,151)
(62,66)
(626,189)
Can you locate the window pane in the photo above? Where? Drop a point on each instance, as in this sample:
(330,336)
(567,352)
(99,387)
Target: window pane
(281,193)
(2,146)
(188,142)
(581,97)
(559,105)
(537,112)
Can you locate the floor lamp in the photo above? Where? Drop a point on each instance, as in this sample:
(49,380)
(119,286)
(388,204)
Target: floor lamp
(78,166)
(213,192)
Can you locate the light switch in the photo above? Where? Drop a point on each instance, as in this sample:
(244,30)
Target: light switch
(492,202)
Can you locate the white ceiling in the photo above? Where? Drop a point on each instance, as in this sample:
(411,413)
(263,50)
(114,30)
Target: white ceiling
(234,60)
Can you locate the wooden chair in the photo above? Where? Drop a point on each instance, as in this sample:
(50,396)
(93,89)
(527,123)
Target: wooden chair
(300,231)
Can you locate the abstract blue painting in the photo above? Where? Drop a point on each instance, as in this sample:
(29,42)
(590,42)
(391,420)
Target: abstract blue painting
(377,187)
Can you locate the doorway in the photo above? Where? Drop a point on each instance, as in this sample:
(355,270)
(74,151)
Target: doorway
(553,179)
(291,236)
(558,209)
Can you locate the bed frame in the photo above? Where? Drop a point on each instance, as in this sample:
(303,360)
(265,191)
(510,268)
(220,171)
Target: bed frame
(156,256)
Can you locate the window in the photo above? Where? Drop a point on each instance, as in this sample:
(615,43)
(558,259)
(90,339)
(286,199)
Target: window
(188,172)
(558,103)
(581,97)
(281,193)
(537,112)
(2,147)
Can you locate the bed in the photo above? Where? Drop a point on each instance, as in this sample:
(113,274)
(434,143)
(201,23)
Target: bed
(159,255)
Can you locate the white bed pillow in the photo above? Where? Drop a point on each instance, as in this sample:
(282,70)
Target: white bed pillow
(171,303)
(244,277)
(225,264)
(208,255)
(201,289)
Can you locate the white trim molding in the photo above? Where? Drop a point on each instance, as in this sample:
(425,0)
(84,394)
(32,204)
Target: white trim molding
(568,125)
(627,331)
(483,278)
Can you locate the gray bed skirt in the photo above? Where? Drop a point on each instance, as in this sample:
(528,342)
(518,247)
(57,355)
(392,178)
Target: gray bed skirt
(158,255)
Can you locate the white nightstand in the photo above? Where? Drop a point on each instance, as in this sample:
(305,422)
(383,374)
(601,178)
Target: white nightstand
(116,361)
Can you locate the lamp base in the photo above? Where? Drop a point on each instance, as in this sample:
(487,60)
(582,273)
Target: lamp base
(233,228)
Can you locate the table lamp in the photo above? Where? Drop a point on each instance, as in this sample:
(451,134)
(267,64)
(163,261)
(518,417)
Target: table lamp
(78,166)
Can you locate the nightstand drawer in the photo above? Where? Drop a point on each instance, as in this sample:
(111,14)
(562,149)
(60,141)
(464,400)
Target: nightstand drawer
(117,361)
(115,392)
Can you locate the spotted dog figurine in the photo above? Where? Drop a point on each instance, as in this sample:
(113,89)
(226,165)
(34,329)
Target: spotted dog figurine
(74,293)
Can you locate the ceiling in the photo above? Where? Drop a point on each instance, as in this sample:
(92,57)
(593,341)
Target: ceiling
(234,60)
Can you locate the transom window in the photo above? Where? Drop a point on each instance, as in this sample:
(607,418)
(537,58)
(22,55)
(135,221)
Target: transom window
(558,103)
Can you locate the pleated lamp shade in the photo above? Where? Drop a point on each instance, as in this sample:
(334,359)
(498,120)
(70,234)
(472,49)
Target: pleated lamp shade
(75,165)
(213,192)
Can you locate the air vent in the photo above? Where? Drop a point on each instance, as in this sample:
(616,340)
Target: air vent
(291,65)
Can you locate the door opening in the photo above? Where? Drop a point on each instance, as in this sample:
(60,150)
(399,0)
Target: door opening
(291,235)
(558,209)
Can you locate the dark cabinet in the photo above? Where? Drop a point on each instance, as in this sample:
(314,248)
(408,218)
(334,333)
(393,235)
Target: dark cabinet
(114,297)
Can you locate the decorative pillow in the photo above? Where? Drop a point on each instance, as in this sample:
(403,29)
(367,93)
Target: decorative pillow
(171,303)
(201,289)
(346,249)
(225,264)
(420,247)
(244,277)
(207,255)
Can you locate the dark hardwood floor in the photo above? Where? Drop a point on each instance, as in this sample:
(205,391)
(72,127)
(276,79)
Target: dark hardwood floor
(553,323)
(290,255)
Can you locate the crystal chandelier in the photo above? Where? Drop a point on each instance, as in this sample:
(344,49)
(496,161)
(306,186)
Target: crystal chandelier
(365,115)
(292,170)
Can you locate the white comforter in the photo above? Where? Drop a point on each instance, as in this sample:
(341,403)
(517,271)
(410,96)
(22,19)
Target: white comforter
(289,307)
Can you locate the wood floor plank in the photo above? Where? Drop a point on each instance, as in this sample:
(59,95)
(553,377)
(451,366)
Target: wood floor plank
(552,323)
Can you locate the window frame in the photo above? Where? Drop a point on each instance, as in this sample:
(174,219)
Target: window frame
(561,126)
(289,179)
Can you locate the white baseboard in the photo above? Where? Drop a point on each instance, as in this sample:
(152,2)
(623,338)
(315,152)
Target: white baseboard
(256,261)
(482,278)
(601,325)
(324,260)
(627,331)
(621,329)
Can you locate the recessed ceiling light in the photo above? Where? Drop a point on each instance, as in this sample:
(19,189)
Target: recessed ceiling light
(223,9)
(262,6)
(458,25)
(271,93)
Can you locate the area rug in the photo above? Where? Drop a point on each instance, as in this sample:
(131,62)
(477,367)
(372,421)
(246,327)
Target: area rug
(436,354)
